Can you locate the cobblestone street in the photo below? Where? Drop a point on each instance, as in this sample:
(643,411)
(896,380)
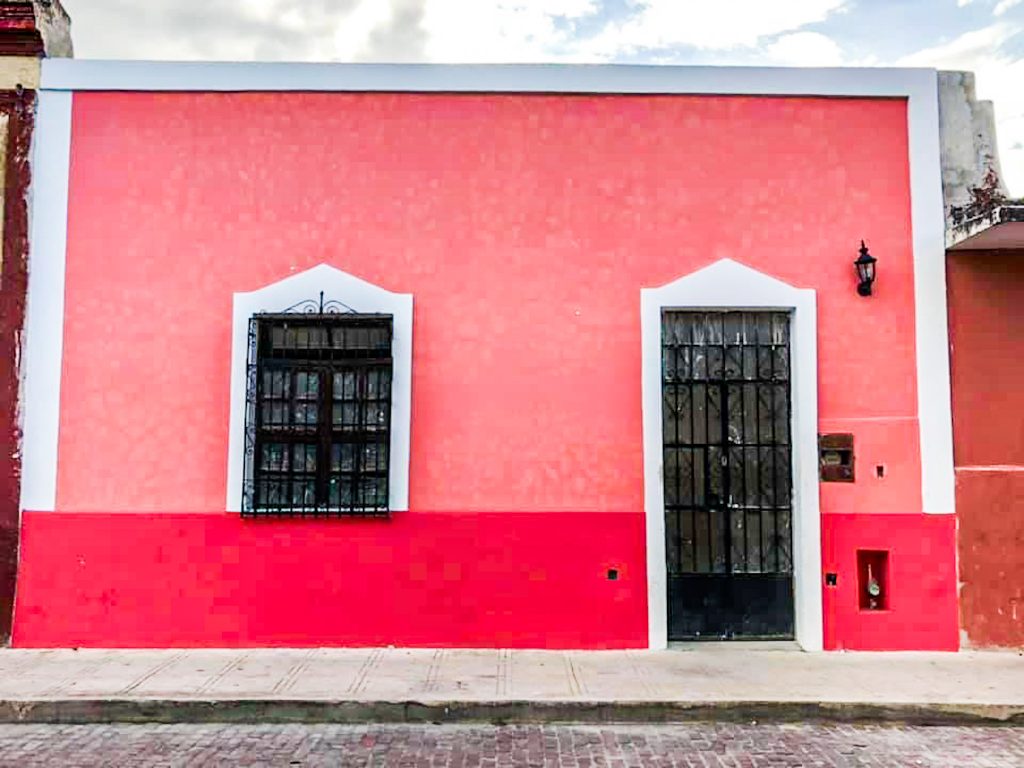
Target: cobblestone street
(703,745)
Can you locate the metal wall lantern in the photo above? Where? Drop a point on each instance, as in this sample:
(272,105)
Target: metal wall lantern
(865,265)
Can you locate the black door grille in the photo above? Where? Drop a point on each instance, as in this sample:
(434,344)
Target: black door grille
(318,416)
(727,474)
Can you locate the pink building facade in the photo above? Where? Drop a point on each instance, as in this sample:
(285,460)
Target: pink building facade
(621,358)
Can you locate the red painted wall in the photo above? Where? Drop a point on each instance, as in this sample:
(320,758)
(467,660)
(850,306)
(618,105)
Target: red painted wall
(506,579)
(525,227)
(986,309)
(921,610)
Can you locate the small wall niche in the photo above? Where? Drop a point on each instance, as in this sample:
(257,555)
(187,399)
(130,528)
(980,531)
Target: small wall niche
(873,579)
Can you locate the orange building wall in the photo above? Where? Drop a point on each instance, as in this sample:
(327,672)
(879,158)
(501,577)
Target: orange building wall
(986,310)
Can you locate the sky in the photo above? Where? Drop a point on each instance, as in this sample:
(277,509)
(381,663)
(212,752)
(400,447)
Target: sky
(984,36)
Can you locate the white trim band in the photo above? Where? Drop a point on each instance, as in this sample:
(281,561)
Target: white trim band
(97,75)
(44,311)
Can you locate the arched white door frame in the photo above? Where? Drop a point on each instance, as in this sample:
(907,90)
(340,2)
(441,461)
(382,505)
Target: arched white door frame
(726,284)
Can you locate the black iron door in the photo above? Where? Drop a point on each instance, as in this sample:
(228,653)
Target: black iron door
(727,477)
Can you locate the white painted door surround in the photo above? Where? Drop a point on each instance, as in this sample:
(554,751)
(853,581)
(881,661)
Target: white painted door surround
(727,284)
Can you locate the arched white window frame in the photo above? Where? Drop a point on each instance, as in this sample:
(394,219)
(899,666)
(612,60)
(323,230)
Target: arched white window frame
(360,296)
(726,284)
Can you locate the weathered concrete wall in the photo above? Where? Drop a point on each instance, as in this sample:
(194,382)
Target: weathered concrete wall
(986,306)
(968,133)
(34,28)
(19,70)
(54,25)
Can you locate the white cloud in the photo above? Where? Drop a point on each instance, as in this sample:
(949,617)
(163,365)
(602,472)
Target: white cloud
(352,36)
(714,24)
(207,29)
(1001,7)
(999,77)
(805,49)
(434,30)
(500,30)
(962,51)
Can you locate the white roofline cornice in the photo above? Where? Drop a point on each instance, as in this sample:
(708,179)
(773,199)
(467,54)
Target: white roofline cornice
(97,75)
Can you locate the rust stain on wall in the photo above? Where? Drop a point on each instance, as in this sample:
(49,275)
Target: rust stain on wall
(18,116)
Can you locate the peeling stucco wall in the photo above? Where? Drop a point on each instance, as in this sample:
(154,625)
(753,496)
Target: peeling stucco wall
(18,116)
(967,130)
(54,25)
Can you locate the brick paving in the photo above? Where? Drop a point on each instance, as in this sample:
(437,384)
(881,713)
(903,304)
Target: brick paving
(461,746)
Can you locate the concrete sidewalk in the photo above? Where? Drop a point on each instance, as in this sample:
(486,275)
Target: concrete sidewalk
(736,681)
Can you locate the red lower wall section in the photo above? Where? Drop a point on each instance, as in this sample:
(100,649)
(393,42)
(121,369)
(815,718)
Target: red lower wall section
(921,610)
(513,579)
(419,579)
(991,507)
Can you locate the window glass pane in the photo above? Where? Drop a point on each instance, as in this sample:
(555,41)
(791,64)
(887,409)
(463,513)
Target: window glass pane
(372,493)
(780,329)
(306,413)
(304,493)
(271,492)
(343,457)
(376,416)
(345,416)
(373,457)
(377,384)
(380,339)
(345,385)
(276,385)
(274,457)
(304,458)
(340,491)
(307,386)
(360,338)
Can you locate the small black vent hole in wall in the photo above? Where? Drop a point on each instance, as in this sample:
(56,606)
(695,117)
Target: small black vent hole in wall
(613,574)
(880,471)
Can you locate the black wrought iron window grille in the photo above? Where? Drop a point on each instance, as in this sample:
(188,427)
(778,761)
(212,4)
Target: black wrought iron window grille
(318,412)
